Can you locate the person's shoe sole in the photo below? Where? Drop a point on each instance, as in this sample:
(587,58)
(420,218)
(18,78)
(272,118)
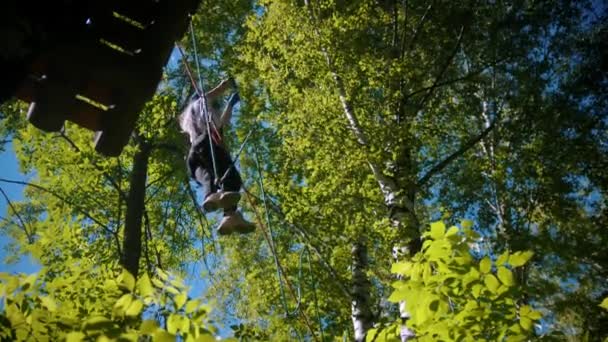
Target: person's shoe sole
(245,228)
(212,205)
(229,199)
(222,230)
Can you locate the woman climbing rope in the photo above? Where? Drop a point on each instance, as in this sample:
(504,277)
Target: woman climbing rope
(209,162)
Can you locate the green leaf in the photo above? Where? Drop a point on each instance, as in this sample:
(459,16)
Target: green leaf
(502,259)
(104,338)
(29,281)
(437,230)
(48,303)
(158,283)
(128,337)
(172,290)
(180,300)
(192,305)
(452,231)
(471,305)
(466,224)
(135,308)
(476,290)
(162,336)
(126,281)
(485,265)
(97,323)
(145,286)
(470,277)
(371,335)
(520,258)
(505,275)
(75,336)
(526,323)
(206,338)
(535,315)
(122,304)
(162,274)
(397,296)
(604,304)
(491,282)
(148,326)
(173,323)
(516,338)
(401,267)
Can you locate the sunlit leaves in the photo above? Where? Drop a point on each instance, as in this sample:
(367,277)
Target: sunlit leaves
(520,258)
(442,294)
(485,265)
(505,275)
(491,282)
(113,311)
(604,303)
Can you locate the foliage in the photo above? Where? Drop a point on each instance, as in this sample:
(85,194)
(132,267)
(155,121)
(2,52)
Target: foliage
(494,111)
(100,304)
(452,297)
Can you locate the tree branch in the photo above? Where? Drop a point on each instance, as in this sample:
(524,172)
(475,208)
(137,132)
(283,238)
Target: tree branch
(416,30)
(30,238)
(105,174)
(334,275)
(346,105)
(443,69)
(448,82)
(61,198)
(464,148)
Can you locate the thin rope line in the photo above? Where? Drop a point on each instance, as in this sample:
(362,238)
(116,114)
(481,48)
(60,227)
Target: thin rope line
(202,105)
(188,70)
(271,240)
(236,157)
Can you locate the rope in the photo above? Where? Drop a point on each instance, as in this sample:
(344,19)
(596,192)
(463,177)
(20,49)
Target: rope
(280,271)
(202,104)
(203,109)
(314,287)
(236,157)
(188,71)
(271,240)
(280,268)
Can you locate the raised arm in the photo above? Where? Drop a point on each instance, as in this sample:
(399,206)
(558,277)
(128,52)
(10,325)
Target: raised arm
(227,114)
(219,89)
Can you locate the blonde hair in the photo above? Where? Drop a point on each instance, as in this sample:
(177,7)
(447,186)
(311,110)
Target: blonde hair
(190,122)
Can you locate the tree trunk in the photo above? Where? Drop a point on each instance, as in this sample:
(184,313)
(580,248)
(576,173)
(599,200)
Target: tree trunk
(135,210)
(361,313)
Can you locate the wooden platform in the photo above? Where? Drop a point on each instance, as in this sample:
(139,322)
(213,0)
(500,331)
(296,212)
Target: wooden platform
(102,61)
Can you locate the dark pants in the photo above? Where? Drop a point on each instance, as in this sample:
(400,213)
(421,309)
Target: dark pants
(200,165)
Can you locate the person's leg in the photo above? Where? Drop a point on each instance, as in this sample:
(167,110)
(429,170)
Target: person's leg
(204,174)
(229,178)
(233,220)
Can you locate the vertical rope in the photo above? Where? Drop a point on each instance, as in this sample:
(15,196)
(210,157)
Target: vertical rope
(314,294)
(271,238)
(202,104)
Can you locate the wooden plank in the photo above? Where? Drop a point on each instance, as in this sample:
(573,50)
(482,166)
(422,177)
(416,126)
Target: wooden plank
(87,116)
(144,12)
(51,106)
(114,30)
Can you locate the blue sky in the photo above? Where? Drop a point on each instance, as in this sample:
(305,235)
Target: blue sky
(10,170)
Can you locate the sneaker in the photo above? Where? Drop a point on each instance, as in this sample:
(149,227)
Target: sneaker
(235,222)
(212,202)
(226,227)
(229,199)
